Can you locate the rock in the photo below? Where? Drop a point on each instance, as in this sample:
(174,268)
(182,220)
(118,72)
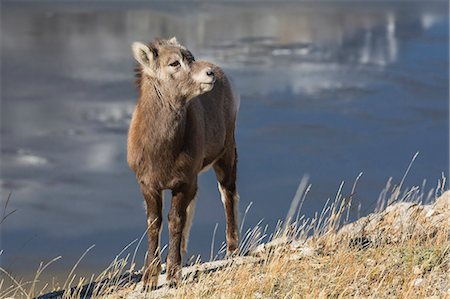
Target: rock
(277,243)
(399,222)
(417,282)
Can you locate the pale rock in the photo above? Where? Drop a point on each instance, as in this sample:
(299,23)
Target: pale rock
(400,222)
(417,282)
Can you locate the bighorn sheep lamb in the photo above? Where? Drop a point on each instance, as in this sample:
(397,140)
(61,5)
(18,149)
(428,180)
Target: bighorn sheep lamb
(183,123)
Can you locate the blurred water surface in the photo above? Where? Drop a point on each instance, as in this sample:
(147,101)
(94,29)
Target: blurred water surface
(328,89)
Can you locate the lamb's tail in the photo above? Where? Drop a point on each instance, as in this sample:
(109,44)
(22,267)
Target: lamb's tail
(236,96)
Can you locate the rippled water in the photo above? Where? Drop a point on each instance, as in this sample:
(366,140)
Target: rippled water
(328,90)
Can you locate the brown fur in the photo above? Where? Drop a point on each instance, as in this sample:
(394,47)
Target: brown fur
(180,126)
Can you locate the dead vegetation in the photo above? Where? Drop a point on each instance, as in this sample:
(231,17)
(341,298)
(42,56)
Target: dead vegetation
(401,251)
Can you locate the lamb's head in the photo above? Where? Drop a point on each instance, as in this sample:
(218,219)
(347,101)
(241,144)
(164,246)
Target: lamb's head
(173,69)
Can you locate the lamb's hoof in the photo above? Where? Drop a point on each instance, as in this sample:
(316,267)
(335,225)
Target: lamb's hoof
(232,250)
(173,276)
(150,285)
(150,279)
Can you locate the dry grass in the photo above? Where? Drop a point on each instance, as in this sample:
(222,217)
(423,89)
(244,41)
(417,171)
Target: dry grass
(406,271)
(306,262)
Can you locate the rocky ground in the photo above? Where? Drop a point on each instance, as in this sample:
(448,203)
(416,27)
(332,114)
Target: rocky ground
(400,251)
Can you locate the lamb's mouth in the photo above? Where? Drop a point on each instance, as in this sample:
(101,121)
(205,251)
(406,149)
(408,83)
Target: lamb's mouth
(207,86)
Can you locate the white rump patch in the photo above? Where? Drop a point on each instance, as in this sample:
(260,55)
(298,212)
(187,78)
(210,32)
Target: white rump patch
(187,226)
(236,96)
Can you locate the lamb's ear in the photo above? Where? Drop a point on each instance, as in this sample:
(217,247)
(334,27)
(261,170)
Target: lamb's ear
(143,55)
(174,41)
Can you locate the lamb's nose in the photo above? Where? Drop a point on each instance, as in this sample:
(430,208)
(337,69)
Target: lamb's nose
(210,73)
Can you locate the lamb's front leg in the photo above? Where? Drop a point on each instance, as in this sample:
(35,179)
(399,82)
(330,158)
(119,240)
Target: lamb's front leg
(154,203)
(181,197)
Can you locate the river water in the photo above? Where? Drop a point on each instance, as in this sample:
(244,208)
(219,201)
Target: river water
(327,89)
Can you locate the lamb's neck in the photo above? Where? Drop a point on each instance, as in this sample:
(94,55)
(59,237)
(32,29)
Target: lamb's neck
(165,118)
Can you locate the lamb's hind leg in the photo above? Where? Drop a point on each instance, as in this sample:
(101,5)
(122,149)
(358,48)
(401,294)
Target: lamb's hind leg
(190,210)
(225,169)
(154,203)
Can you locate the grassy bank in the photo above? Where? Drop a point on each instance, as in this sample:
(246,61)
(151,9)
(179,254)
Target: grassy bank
(406,271)
(401,251)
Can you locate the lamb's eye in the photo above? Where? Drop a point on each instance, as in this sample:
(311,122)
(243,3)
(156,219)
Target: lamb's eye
(175,63)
